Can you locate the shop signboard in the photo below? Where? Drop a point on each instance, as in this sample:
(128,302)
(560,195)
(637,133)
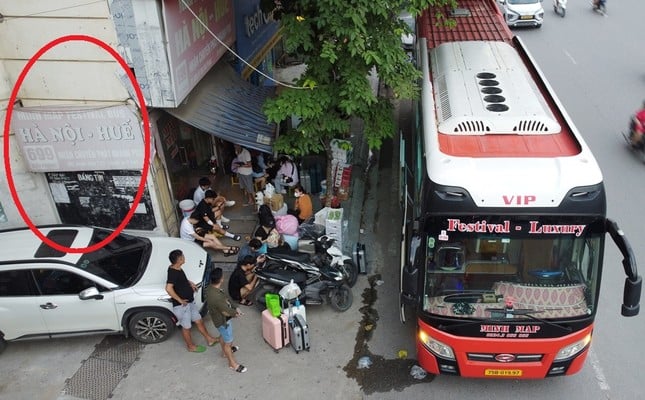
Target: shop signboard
(192,49)
(78,139)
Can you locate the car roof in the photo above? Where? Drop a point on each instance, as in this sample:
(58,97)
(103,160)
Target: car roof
(23,244)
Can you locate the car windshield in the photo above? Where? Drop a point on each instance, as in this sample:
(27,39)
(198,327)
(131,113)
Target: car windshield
(121,262)
(478,265)
(522,1)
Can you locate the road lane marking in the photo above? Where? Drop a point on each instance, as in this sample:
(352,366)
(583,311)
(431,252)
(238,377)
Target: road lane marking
(573,60)
(600,376)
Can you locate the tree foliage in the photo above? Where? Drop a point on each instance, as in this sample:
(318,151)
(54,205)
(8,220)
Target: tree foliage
(342,42)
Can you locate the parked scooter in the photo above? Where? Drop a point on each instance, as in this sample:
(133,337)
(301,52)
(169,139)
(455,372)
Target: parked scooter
(599,6)
(324,251)
(560,7)
(318,285)
(635,137)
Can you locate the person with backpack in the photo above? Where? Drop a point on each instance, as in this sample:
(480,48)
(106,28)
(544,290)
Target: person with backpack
(259,169)
(287,175)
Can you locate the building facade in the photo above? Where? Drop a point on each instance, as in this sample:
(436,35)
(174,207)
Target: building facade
(76,139)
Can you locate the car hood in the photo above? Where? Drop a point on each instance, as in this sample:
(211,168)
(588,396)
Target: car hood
(157,270)
(526,9)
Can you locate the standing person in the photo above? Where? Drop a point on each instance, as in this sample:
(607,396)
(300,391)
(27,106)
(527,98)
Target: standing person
(303,208)
(221,312)
(287,175)
(243,281)
(245,173)
(181,291)
(259,169)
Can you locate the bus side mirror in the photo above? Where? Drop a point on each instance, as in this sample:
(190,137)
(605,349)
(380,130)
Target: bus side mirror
(410,280)
(631,297)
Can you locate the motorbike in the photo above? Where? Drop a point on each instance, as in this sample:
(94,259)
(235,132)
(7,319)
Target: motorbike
(318,285)
(323,250)
(599,6)
(560,7)
(636,128)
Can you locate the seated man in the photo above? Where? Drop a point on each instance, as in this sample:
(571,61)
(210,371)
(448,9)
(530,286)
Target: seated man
(206,217)
(200,191)
(243,281)
(251,249)
(206,240)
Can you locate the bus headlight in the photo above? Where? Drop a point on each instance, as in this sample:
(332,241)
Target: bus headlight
(436,346)
(572,349)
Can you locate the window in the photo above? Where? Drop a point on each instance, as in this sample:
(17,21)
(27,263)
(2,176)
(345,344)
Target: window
(16,283)
(56,282)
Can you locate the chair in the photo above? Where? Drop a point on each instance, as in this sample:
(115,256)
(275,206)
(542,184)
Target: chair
(234,180)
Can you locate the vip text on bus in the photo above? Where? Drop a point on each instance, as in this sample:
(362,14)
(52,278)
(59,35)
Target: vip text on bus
(504,210)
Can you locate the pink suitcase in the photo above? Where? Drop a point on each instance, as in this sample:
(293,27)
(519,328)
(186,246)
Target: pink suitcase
(275,330)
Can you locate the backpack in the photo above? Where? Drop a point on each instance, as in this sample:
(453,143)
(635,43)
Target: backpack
(256,165)
(265,216)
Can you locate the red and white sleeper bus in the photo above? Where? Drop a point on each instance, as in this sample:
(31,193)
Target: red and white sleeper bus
(504,210)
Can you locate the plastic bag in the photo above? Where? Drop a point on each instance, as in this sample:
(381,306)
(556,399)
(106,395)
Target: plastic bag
(310,230)
(290,291)
(269,190)
(273,304)
(418,372)
(364,362)
(287,224)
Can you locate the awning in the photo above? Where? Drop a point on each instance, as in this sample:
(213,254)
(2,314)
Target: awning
(226,106)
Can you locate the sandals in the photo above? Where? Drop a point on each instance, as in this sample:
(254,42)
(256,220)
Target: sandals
(230,251)
(246,302)
(237,238)
(235,348)
(240,368)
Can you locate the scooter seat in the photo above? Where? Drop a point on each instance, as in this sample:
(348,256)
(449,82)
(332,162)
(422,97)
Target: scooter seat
(286,275)
(290,255)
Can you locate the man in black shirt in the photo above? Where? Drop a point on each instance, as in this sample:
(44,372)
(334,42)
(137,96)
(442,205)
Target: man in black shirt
(181,291)
(207,221)
(243,280)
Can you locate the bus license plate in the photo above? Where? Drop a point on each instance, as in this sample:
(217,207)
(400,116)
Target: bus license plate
(503,372)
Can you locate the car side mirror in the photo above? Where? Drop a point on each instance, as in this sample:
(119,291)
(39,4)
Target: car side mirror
(90,293)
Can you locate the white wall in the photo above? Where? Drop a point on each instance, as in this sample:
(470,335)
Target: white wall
(72,73)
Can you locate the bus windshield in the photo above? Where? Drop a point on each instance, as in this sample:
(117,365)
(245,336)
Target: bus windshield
(477,267)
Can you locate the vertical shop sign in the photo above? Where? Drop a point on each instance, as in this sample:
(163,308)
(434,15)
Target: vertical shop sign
(192,49)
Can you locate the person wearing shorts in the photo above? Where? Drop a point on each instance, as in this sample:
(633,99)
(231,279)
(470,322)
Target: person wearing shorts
(245,173)
(181,291)
(221,311)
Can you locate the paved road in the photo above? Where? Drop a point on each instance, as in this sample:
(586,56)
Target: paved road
(597,67)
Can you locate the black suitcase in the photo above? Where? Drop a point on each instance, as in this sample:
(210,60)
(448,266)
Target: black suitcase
(299,333)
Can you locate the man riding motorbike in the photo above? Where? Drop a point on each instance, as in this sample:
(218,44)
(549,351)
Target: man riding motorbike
(637,128)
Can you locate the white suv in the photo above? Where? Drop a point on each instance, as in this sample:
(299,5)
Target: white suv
(120,288)
(522,12)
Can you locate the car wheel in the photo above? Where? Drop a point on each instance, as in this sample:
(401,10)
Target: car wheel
(150,326)
(3,345)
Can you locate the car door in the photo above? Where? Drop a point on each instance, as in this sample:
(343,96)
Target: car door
(62,308)
(19,312)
